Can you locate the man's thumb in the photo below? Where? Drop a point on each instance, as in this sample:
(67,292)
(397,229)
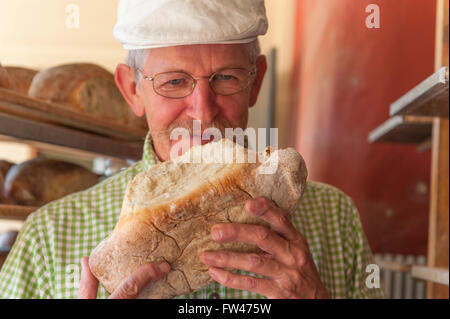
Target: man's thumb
(88,283)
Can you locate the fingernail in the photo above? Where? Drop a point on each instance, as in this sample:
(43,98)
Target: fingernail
(216,233)
(164,267)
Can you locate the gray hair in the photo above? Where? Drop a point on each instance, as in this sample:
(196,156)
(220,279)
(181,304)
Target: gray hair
(136,58)
(253,50)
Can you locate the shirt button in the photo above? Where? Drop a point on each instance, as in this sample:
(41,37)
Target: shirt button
(214,295)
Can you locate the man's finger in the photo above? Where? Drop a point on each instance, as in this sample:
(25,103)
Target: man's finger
(88,283)
(272,214)
(226,278)
(266,239)
(133,285)
(254,263)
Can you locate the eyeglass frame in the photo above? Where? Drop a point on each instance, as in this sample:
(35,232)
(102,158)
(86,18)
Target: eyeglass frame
(209,77)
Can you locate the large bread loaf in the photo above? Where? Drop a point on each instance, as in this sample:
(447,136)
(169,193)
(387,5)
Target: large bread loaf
(4,78)
(87,88)
(4,168)
(40,180)
(17,78)
(168,212)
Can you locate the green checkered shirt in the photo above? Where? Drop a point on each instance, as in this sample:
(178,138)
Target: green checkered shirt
(45,259)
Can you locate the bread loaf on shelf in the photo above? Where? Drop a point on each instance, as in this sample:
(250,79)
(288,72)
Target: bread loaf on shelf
(168,211)
(19,78)
(87,88)
(40,180)
(4,78)
(4,168)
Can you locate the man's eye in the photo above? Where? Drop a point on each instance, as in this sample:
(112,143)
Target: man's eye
(223,77)
(175,82)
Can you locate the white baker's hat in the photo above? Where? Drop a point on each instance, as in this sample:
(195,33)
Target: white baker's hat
(143,24)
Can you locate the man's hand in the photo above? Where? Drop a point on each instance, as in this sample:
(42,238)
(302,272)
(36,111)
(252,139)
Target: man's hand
(286,264)
(129,288)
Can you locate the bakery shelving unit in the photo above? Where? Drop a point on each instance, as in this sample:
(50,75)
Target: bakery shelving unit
(28,129)
(33,122)
(420,117)
(413,114)
(15,212)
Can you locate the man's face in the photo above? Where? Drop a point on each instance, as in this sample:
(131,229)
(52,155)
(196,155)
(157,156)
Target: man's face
(165,114)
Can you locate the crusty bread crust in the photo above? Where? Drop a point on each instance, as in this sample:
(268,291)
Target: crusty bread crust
(40,180)
(84,87)
(19,78)
(4,78)
(177,229)
(4,168)
(62,83)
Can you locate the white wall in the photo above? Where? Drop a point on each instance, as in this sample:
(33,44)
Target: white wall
(36,33)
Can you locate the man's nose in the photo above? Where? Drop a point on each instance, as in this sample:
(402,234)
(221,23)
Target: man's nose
(202,102)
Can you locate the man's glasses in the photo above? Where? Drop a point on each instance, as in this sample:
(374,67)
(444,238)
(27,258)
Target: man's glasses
(178,84)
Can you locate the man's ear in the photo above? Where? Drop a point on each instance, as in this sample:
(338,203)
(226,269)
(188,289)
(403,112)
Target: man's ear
(261,67)
(125,81)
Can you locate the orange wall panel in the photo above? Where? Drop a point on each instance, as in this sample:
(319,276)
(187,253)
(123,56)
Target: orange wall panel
(346,77)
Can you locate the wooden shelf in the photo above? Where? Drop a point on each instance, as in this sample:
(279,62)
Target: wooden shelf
(29,129)
(394,265)
(436,275)
(25,107)
(425,145)
(403,129)
(15,211)
(429,98)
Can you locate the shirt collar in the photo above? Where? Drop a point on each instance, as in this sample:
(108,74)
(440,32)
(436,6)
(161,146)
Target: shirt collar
(149,157)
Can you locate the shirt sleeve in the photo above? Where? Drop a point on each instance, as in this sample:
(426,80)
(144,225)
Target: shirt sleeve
(362,274)
(25,273)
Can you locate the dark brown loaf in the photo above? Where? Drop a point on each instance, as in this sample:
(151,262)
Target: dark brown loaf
(19,78)
(4,78)
(168,211)
(84,87)
(39,181)
(4,168)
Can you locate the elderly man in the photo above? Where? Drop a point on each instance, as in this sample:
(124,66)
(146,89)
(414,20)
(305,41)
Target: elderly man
(195,60)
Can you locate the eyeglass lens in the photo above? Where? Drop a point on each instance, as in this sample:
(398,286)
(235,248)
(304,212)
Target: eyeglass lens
(180,84)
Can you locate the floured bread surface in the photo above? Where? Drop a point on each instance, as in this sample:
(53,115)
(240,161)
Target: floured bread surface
(168,212)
